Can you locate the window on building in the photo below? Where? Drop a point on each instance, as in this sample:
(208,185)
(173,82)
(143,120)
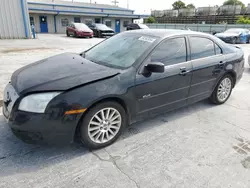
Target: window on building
(88,22)
(218,50)
(125,23)
(97,20)
(65,22)
(32,21)
(201,47)
(77,19)
(108,23)
(170,52)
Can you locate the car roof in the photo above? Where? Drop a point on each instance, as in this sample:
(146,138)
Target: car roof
(162,33)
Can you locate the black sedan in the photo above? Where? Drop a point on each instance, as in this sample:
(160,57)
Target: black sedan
(135,26)
(129,77)
(235,36)
(101,30)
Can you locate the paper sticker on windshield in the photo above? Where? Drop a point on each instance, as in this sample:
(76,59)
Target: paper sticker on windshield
(147,39)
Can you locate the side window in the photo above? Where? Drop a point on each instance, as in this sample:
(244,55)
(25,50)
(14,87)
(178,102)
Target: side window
(201,47)
(64,22)
(217,49)
(171,51)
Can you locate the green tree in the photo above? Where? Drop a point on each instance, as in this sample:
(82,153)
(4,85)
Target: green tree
(178,5)
(233,2)
(190,6)
(151,20)
(243,20)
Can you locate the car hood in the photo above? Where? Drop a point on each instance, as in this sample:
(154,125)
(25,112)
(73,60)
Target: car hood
(226,34)
(106,30)
(85,30)
(59,73)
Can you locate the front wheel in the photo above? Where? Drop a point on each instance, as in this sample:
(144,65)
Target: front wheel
(234,40)
(102,125)
(75,34)
(67,33)
(222,91)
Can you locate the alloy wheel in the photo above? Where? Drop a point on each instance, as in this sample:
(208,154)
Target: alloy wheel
(104,125)
(224,89)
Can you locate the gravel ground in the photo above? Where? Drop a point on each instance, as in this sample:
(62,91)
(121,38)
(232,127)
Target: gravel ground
(17,53)
(202,145)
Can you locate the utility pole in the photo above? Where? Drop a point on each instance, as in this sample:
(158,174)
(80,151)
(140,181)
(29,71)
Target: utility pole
(115,2)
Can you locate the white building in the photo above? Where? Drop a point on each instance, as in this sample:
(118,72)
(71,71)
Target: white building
(14,19)
(52,16)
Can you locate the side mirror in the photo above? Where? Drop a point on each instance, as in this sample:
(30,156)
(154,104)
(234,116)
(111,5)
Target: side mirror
(156,67)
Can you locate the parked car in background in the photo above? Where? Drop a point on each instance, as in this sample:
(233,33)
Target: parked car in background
(94,95)
(79,30)
(249,60)
(234,36)
(135,26)
(101,30)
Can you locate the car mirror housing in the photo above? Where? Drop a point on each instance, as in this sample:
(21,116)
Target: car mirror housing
(156,67)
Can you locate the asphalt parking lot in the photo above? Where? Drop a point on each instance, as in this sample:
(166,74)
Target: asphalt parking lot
(202,145)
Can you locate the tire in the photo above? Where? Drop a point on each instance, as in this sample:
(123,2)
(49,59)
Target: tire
(75,35)
(102,134)
(99,34)
(226,91)
(67,33)
(234,40)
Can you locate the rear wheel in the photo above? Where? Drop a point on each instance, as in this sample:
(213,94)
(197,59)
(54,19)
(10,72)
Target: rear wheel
(102,125)
(223,90)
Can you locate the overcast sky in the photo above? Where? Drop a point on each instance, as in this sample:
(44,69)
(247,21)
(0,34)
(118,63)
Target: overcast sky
(144,6)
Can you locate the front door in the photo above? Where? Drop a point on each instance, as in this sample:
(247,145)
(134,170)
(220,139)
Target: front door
(117,26)
(207,61)
(169,90)
(43,24)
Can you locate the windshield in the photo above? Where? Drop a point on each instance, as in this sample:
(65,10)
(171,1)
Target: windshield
(81,26)
(102,26)
(120,51)
(142,26)
(236,31)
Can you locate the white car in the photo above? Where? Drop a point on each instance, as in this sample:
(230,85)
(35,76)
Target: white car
(249,60)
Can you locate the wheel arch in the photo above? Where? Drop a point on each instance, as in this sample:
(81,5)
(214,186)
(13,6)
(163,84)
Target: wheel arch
(233,75)
(114,99)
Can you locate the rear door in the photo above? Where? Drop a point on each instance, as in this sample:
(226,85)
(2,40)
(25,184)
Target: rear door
(169,90)
(208,61)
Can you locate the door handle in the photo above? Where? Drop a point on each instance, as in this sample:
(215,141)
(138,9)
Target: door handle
(222,62)
(183,71)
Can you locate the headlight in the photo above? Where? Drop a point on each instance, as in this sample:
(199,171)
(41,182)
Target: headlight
(37,103)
